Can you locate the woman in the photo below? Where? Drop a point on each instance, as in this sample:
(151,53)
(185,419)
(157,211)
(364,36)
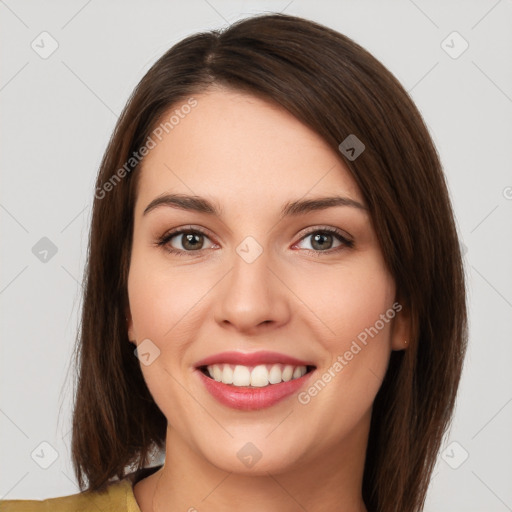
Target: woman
(274,292)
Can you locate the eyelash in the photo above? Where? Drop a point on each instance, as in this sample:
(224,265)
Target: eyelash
(166,238)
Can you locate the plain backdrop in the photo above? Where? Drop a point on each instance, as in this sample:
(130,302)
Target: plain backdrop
(58,111)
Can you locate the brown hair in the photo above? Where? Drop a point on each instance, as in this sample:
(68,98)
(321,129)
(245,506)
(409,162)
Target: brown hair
(336,88)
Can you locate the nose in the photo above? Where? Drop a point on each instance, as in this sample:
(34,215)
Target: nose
(252,297)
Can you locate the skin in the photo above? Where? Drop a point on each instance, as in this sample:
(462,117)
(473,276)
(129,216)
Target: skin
(251,157)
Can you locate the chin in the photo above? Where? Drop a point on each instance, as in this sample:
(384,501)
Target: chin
(251,459)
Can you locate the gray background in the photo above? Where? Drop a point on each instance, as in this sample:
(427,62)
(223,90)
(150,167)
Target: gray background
(58,114)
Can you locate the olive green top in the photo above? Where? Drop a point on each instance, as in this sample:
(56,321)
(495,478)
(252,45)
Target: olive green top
(116,497)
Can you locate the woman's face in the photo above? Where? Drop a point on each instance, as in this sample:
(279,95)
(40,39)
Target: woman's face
(310,285)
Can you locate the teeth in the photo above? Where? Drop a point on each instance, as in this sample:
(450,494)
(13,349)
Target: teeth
(297,373)
(217,373)
(287,373)
(227,374)
(257,376)
(275,374)
(241,376)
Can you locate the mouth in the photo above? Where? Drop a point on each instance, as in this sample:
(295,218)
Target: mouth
(249,381)
(246,388)
(259,376)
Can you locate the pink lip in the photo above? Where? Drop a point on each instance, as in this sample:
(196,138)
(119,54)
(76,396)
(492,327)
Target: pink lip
(251,359)
(248,398)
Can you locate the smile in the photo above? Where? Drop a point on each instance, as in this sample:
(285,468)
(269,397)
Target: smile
(252,381)
(259,376)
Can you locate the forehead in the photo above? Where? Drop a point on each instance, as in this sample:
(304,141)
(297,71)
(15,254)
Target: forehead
(240,149)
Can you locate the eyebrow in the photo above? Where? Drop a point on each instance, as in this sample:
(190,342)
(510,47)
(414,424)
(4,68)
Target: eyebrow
(293,208)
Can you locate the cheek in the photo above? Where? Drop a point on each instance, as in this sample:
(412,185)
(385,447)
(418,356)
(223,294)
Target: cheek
(356,343)
(352,316)
(161,305)
(347,300)
(162,301)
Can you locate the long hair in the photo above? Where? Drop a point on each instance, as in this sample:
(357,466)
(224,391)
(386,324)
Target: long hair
(337,88)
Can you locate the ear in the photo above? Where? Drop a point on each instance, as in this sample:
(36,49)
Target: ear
(401,331)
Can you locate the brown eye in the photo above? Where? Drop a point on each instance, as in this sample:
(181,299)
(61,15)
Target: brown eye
(191,241)
(183,241)
(322,240)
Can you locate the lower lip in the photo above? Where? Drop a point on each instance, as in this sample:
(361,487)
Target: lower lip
(252,398)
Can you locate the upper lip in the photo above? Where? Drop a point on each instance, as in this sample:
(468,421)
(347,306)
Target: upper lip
(251,359)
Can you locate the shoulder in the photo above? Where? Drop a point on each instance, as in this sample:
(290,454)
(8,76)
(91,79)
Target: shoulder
(116,497)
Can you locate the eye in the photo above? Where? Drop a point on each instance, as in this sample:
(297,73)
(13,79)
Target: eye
(186,240)
(322,240)
(191,240)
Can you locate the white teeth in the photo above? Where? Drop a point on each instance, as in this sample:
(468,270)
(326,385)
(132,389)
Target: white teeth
(257,376)
(217,372)
(227,374)
(275,374)
(287,373)
(241,376)
(297,373)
